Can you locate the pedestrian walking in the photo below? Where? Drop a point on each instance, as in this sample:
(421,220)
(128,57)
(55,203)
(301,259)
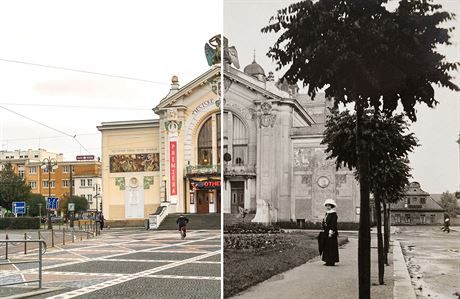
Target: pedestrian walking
(446,227)
(182,224)
(327,239)
(101,219)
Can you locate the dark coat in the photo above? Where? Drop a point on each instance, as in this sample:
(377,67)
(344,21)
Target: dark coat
(182,221)
(328,244)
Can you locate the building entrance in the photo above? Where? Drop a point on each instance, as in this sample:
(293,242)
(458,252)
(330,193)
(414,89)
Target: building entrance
(202,199)
(237,196)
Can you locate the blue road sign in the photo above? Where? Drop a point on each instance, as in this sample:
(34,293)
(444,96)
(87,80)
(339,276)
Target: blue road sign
(52,203)
(19,207)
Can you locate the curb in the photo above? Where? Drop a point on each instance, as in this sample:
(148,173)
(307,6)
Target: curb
(402,283)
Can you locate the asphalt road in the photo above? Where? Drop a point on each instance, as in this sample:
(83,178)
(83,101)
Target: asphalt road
(127,263)
(433,260)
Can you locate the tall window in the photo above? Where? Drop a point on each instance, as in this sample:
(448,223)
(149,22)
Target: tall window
(240,142)
(32,169)
(33,184)
(205,149)
(82,183)
(21,173)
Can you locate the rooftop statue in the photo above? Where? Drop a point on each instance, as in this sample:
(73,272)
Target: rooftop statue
(212,51)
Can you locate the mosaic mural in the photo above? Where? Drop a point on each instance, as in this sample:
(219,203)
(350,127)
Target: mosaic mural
(135,162)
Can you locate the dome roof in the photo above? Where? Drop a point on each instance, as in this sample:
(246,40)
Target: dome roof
(254,69)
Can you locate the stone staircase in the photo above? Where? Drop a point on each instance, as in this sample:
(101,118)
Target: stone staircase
(196,221)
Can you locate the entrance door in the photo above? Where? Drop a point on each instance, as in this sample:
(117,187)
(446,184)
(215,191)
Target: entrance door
(202,199)
(237,196)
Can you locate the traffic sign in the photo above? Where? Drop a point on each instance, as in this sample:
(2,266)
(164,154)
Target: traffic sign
(52,203)
(71,207)
(19,207)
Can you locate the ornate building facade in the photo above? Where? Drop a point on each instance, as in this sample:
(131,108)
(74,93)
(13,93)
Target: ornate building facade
(275,166)
(171,161)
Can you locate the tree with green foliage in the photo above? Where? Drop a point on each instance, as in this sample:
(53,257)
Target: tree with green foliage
(12,187)
(363,53)
(35,202)
(450,203)
(81,203)
(389,169)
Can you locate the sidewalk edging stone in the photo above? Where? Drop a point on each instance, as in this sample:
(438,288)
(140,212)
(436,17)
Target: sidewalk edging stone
(403,288)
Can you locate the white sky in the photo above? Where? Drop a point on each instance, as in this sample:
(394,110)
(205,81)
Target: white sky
(150,40)
(436,162)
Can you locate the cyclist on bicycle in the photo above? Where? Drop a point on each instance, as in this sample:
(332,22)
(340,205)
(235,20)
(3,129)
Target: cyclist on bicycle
(182,223)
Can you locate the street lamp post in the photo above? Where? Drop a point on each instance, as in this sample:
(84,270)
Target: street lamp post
(165,180)
(49,164)
(97,188)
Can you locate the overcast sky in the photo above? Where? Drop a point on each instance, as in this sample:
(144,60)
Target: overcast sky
(149,40)
(436,162)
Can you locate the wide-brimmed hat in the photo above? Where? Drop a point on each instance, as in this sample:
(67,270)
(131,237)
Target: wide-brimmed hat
(330,201)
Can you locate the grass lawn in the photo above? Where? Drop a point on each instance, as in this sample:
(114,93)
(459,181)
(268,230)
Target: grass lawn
(244,268)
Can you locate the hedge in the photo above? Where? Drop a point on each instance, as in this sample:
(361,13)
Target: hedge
(20,223)
(317,225)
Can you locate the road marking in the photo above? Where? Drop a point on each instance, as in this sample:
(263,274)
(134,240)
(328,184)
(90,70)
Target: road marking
(129,277)
(183,277)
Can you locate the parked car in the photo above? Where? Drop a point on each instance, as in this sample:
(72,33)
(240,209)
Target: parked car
(56,219)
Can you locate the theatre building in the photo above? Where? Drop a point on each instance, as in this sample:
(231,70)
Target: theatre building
(275,165)
(171,160)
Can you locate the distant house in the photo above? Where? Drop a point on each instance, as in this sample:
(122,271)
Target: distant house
(418,207)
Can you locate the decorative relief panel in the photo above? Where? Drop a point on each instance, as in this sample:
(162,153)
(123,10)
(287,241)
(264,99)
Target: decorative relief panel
(306,179)
(148,181)
(120,182)
(308,158)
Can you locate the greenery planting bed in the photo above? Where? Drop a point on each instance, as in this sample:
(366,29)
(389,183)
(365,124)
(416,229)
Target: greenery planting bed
(252,258)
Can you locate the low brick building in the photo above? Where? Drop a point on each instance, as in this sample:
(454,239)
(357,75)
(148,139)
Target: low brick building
(418,207)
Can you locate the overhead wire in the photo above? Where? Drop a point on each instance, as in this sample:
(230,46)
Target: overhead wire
(73,106)
(45,125)
(82,71)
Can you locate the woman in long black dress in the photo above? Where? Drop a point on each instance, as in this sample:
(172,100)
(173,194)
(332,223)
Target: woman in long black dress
(330,246)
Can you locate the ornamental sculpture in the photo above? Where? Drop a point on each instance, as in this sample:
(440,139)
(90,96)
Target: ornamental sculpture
(266,118)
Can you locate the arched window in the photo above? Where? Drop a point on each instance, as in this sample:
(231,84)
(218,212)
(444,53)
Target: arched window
(206,151)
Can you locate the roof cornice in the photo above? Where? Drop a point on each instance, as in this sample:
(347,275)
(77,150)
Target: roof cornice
(186,89)
(130,124)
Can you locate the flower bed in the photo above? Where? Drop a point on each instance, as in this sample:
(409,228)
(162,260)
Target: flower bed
(255,241)
(251,228)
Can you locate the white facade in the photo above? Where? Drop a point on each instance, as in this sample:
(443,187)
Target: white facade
(89,187)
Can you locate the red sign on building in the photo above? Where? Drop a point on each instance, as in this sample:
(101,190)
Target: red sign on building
(173,167)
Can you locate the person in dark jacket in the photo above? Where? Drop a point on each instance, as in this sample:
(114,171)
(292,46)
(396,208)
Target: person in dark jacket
(182,224)
(328,244)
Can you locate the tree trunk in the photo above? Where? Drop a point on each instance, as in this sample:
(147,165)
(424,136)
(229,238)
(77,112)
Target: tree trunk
(364,241)
(380,249)
(386,232)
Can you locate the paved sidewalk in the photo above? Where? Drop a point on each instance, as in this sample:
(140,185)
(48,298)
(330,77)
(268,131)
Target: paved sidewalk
(314,280)
(123,263)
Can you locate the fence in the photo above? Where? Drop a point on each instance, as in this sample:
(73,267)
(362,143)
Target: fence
(41,251)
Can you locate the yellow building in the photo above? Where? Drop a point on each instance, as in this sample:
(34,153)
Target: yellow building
(172,161)
(86,174)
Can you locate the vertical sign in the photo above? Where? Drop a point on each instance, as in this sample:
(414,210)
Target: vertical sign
(173,167)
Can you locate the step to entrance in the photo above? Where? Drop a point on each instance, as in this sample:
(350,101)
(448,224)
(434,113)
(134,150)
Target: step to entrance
(196,221)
